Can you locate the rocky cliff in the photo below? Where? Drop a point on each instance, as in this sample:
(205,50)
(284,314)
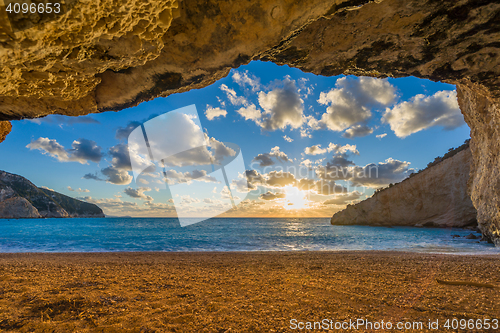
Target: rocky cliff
(108,55)
(20,198)
(435,197)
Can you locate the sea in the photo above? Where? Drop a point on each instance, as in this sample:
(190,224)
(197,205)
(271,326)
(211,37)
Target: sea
(226,234)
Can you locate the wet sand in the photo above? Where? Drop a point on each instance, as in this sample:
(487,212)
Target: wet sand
(240,292)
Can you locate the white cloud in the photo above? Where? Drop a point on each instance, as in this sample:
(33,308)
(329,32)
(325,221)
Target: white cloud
(339,149)
(287,138)
(267,159)
(357,131)
(174,177)
(188,200)
(351,100)
(272,195)
(371,175)
(116,176)
(381,136)
(201,155)
(422,112)
(315,150)
(212,113)
(282,106)
(47,188)
(219,150)
(244,79)
(250,112)
(82,150)
(382,173)
(138,193)
(232,96)
(304,89)
(79,190)
(307,163)
(336,148)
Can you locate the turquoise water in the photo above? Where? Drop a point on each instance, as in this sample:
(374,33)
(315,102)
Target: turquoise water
(239,234)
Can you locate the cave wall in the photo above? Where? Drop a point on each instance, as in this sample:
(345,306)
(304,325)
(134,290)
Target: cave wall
(482,113)
(107,55)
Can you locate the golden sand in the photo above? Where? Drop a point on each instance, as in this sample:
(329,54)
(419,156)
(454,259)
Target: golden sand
(239,292)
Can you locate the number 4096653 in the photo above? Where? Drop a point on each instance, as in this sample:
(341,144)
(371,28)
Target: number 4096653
(33,8)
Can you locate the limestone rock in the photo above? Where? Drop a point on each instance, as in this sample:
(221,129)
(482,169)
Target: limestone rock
(5,128)
(435,197)
(482,113)
(20,198)
(17,207)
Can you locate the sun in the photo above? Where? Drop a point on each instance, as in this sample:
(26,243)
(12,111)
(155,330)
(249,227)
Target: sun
(294,199)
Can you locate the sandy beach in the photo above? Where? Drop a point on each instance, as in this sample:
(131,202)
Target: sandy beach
(240,292)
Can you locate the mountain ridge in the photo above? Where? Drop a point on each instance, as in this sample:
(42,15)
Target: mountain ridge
(20,198)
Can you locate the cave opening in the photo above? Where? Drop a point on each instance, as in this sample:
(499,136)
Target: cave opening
(296,126)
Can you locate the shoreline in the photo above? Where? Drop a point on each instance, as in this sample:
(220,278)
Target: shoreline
(472,254)
(239,291)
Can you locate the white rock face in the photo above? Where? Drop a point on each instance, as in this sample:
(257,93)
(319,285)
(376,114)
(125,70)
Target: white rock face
(435,197)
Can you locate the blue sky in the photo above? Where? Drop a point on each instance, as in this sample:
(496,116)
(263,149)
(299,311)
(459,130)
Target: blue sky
(407,120)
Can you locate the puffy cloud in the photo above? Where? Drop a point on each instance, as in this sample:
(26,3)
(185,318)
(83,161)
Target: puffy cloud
(339,149)
(371,175)
(357,131)
(323,187)
(47,188)
(79,190)
(219,150)
(232,96)
(280,179)
(138,193)
(250,112)
(304,89)
(382,173)
(282,107)
(122,133)
(306,163)
(51,147)
(212,113)
(120,158)
(244,79)
(381,136)
(422,112)
(351,99)
(329,187)
(287,138)
(272,195)
(82,150)
(314,150)
(187,200)
(266,159)
(91,176)
(174,177)
(342,199)
(115,176)
(116,203)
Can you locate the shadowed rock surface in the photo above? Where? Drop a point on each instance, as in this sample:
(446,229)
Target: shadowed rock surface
(20,198)
(435,197)
(119,53)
